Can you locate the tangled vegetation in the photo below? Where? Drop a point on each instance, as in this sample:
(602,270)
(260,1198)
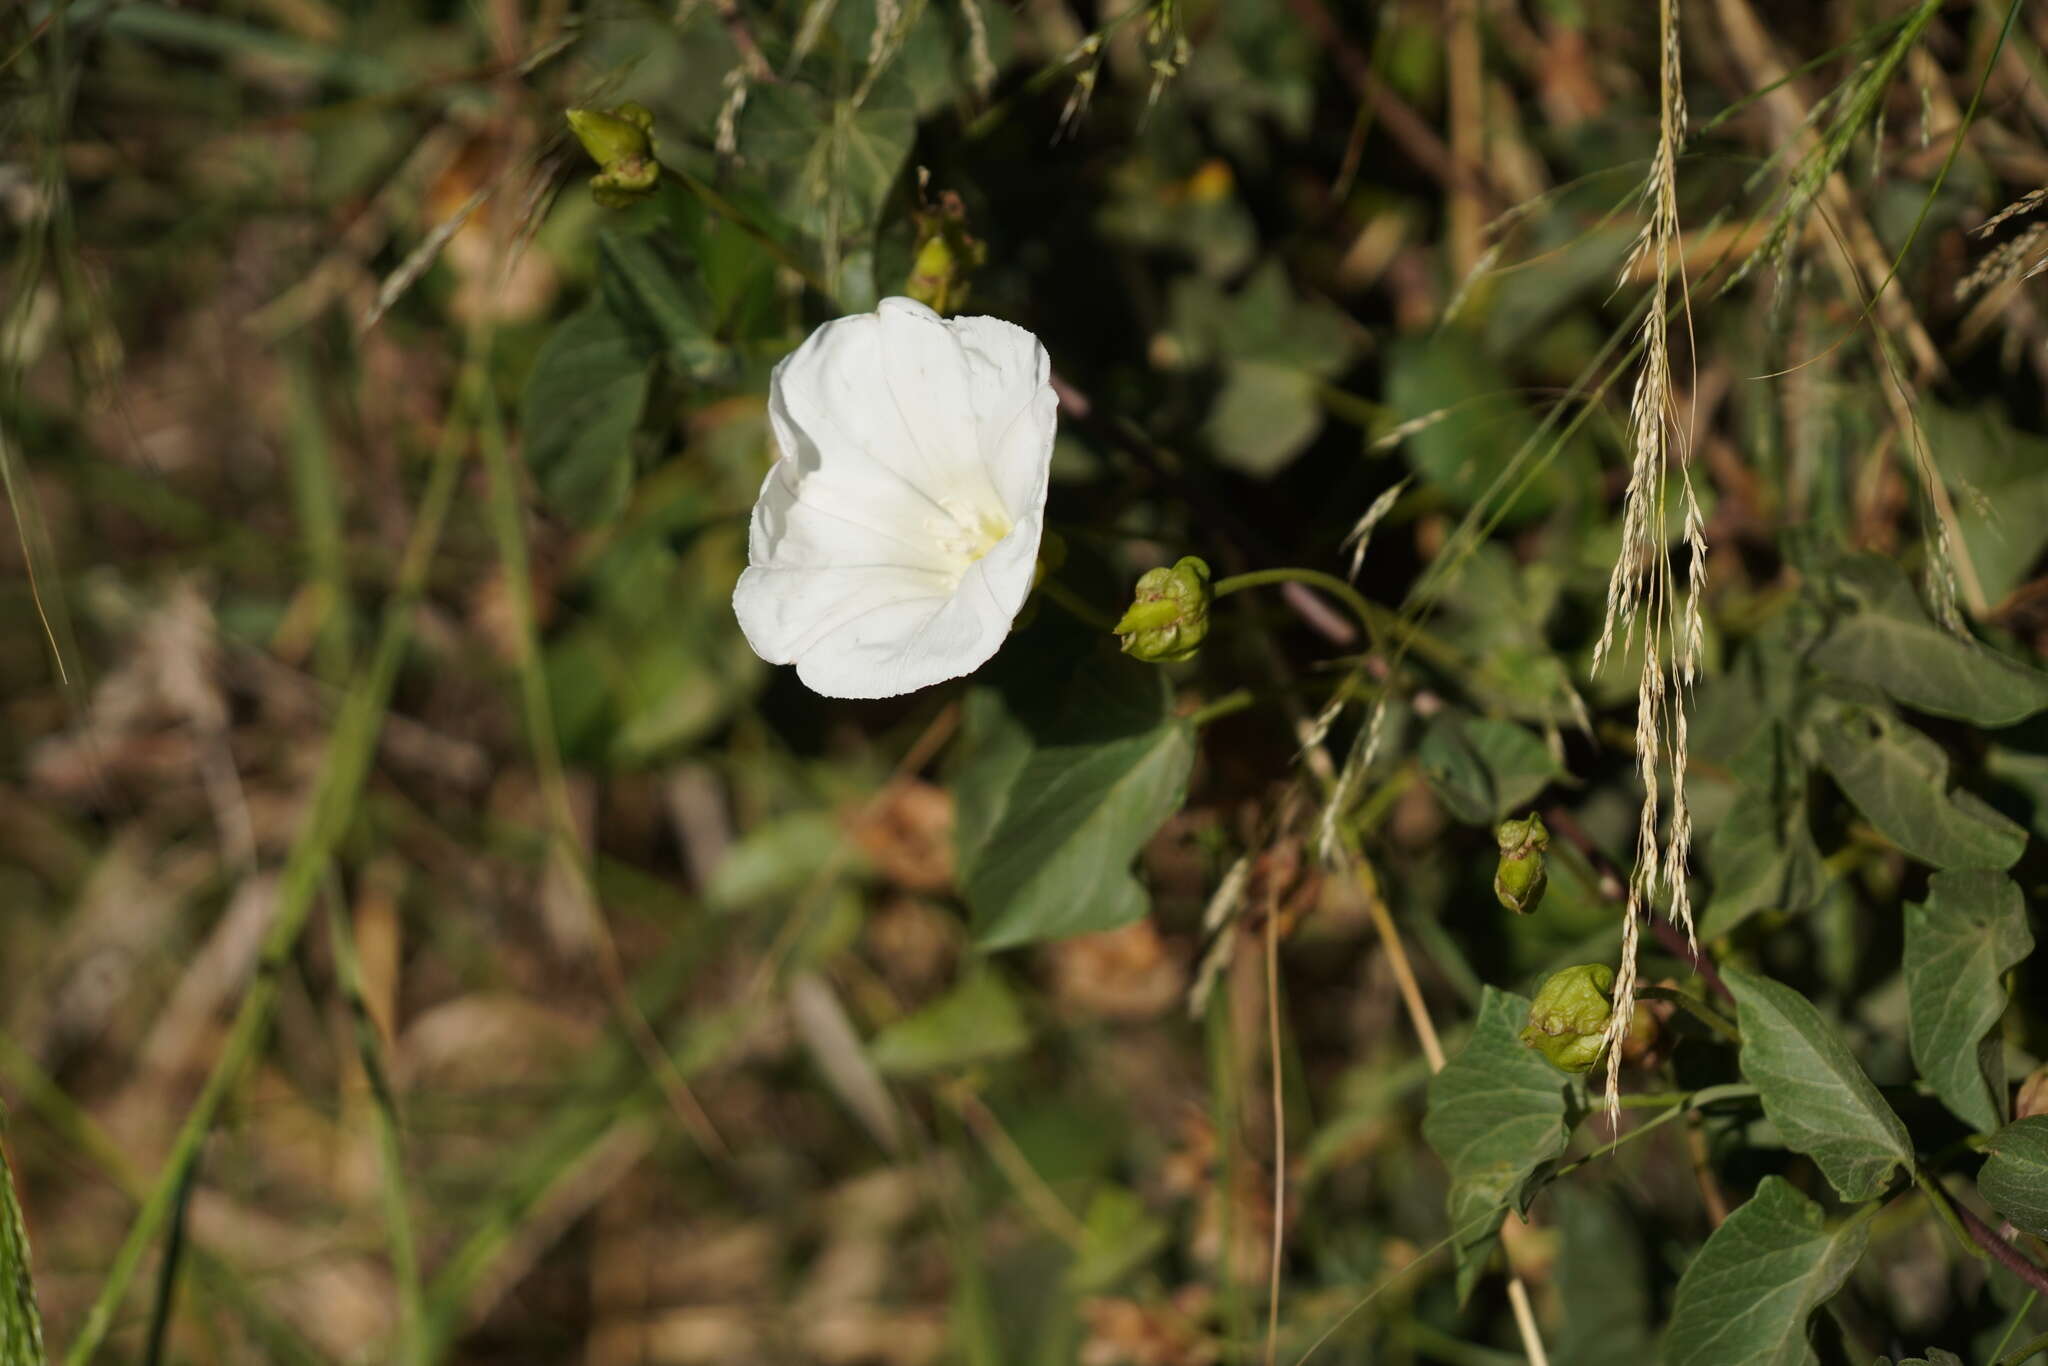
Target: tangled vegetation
(1502,830)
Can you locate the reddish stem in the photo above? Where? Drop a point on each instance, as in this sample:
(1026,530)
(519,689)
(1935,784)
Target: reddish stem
(1614,885)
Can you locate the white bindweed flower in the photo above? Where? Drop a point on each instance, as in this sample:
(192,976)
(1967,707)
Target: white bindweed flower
(896,537)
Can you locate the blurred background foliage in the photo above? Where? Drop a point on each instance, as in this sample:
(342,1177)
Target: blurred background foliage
(431,934)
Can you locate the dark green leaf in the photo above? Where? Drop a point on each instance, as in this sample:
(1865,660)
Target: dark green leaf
(2001,478)
(995,746)
(1959,944)
(833,163)
(1923,666)
(1518,762)
(977,1021)
(663,299)
(2015,1177)
(1102,767)
(1762,855)
(1898,779)
(581,403)
(1470,424)
(1815,1095)
(1455,772)
(1601,1276)
(1745,1299)
(1890,644)
(1759,860)
(1483,769)
(2024,776)
(1496,1116)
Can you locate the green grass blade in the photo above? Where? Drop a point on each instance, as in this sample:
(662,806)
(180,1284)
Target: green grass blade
(21,1324)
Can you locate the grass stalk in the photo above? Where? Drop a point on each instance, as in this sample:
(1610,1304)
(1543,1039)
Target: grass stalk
(1279,1102)
(21,1323)
(317,496)
(333,808)
(405,1262)
(507,518)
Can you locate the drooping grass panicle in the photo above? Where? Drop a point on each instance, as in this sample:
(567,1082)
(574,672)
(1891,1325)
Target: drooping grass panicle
(1360,535)
(726,137)
(2026,203)
(2020,258)
(980,63)
(1642,590)
(1835,122)
(1364,749)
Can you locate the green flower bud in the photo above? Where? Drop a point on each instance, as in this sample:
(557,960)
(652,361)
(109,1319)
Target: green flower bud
(621,142)
(1169,615)
(1520,880)
(947,256)
(1568,1020)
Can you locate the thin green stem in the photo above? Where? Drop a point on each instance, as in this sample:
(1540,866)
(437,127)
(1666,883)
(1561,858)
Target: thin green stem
(167,1273)
(317,495)
(1939,1198)
(1377,621)
(507,517)
(1074,604)
(332,810)
(405,1261)
(1368,615)
(2012,1326)
(1223,706)
(2024,1351)
(1697,1099)
(62,1116)
(1696,1008)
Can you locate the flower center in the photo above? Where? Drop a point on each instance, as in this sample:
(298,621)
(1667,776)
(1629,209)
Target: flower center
(965,533)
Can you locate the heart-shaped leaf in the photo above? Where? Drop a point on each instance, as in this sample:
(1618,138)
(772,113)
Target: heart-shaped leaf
(1814,1093)
(1959,943)
(1496,1115)
(1748,1294)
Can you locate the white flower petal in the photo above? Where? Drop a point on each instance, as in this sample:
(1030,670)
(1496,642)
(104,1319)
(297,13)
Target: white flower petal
(832,517)
(895,539)
(1015,409)
(882,648)
(785,611)
(926,375)
(1004,575)
(886,394)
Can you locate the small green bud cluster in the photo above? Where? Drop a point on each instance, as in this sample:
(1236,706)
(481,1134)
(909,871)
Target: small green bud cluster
(947,256)
(1169,614)
(1520,880)
(621,142)
(1568,1020)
